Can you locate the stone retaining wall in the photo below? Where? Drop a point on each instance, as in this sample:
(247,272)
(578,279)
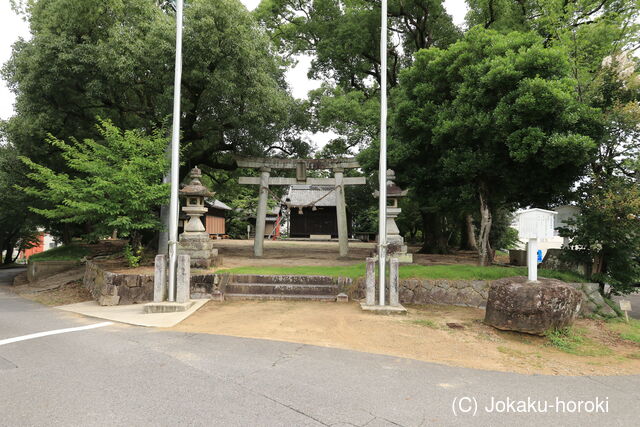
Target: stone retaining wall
(593,304)
(36,270)
(474,293)
(116,288)
(467,293)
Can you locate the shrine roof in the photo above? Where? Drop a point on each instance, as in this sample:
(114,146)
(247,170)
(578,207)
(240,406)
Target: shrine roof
(306,195)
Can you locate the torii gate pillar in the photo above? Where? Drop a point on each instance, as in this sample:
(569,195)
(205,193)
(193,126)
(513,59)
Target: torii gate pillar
(300,166)
(261,214)
(341,213)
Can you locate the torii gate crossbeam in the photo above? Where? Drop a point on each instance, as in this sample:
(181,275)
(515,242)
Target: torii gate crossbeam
(265,165)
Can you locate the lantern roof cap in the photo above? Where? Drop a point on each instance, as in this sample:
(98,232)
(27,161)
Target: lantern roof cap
(392,188)
(195,187)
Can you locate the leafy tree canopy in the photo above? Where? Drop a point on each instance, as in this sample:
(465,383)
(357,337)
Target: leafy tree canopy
(343,37)
(116,184)
(114,59)
(498,114)
(606,234)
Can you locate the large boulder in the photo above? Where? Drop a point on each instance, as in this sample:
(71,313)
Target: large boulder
(514,304)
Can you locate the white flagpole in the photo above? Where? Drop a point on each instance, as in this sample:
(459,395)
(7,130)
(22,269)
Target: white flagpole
(175,158)
(382,172)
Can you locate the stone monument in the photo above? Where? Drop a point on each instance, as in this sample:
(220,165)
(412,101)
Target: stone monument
(195,241)
(396,247)
(517,304)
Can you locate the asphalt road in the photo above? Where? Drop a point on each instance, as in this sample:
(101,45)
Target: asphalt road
(125,375)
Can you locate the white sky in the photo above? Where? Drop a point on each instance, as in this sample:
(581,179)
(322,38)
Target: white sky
(12,27)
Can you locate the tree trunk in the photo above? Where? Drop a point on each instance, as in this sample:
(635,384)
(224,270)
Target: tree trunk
(598,264)
(484,248)
(66,234)
(8,258)
(471,233)
(468,234)
(136,243)
(435,239)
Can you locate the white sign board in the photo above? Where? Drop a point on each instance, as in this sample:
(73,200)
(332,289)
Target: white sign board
(535,224)
(625,305)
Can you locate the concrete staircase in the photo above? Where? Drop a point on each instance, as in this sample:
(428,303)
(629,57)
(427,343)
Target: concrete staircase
(283,287)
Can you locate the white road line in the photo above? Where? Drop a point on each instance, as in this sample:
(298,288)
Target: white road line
(54,332)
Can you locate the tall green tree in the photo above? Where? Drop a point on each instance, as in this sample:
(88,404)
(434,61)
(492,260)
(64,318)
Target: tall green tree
(606,234)
(589,30)
(18,225)
(497,117)
(343,38)
(114,59)
(116,184)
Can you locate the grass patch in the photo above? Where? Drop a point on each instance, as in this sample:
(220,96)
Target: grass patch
(574,341)
(452,272)
(627,331)
(426,322)
(62,253)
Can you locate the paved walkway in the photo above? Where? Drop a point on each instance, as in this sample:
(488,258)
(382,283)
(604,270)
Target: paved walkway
(126,375)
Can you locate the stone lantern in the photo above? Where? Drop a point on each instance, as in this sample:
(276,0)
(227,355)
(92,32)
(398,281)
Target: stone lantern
(396,247)
(194,207)
(194,240)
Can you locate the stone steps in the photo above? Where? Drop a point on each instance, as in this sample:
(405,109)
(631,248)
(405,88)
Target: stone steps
(279,297)
(283,279)
(281,289)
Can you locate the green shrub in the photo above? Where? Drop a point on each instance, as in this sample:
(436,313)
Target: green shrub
(573,341)
(132,256)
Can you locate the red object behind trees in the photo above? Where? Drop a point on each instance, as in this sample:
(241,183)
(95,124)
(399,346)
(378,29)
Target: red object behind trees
(36,249)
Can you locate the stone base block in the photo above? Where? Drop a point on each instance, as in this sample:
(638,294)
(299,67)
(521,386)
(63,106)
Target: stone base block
(403,258)
(167,307)
(217,296)
(200,248)
(342,297)
(320,237)
(383,309)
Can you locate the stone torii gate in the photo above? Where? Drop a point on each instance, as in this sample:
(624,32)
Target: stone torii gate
(265,165)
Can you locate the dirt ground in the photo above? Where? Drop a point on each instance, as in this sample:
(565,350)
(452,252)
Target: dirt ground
(423,334)
(60,289)
(284,253)
(239,253)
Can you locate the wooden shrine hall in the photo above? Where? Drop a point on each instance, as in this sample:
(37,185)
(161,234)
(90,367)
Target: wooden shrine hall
(335,184)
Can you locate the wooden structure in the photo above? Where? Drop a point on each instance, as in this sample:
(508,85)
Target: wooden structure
(301,166)
(215,218)
(313,211)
